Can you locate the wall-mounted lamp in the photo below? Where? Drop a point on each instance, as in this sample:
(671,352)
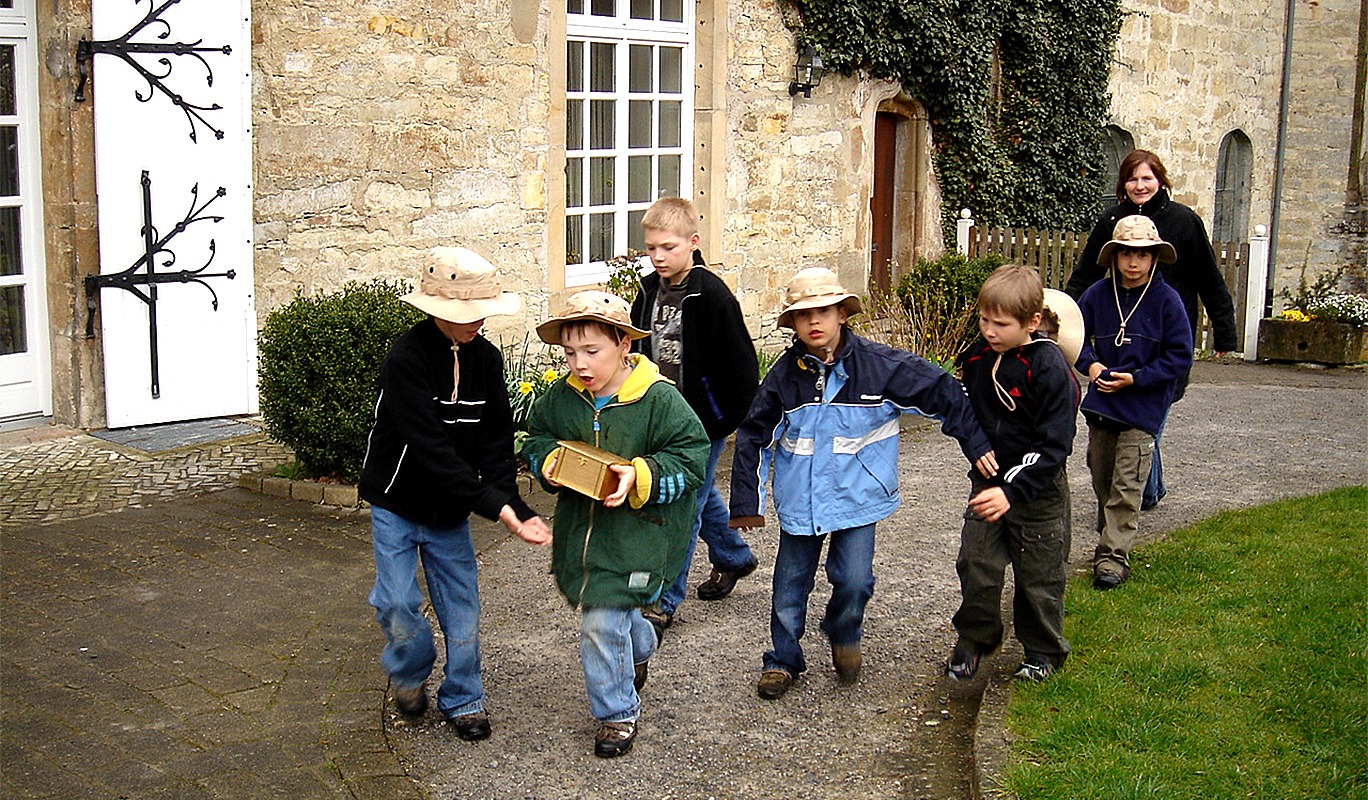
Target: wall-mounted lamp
(807,72)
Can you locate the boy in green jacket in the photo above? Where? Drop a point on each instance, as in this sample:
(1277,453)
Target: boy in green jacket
(616,401)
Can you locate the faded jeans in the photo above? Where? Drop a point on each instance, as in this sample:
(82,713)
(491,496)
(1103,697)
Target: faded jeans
(448,557)
(849,568)
(612,642)
(727,551)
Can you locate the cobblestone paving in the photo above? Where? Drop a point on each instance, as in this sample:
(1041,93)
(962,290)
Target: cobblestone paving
(77,476)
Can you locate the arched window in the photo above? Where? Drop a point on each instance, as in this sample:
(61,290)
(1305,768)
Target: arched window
(1117,144)
(1234,164)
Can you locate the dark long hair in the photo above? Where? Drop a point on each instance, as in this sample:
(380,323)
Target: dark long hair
(1134,159)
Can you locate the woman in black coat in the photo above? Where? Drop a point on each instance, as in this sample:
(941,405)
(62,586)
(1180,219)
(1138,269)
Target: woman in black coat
(1142,187)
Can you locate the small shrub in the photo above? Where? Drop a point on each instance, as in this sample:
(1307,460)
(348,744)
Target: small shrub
(320,359)
(933,310)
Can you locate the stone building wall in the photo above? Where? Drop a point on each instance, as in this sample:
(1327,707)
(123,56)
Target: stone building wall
(1178,86)
(384,130)
(798,169)
(1317,228)
(1188,73)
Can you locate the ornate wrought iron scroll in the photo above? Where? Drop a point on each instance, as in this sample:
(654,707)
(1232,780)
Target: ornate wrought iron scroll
(125,48)
(133,281)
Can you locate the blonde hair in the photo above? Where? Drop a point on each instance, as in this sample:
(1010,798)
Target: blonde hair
(673,214)
(1014,290)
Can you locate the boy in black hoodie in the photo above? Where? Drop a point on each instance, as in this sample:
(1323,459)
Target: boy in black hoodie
(700,341)
(1026,399)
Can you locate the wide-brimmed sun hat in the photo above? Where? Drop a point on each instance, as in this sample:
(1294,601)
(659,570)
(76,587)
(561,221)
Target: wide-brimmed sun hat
(816,287)
(1070,333)
(596,305)
(460,285)
(1136,230)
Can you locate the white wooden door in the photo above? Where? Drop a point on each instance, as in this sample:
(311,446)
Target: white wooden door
(25,364)
(169,353)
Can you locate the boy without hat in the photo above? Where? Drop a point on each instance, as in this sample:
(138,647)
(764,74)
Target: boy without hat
(1137,346)
(441,448)
(1026,398)
(617,401)
(826,419)
(700,341)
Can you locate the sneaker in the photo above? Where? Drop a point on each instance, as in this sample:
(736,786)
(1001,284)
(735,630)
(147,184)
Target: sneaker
(411,703)
(846,659)
(1108,574)
(721,582)
(614,739)
(773,683)
(1034,668)
(471,727)
(963,663)
(658,619)
(641,672)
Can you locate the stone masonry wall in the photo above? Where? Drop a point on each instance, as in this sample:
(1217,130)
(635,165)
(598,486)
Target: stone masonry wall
(1316,228)
(1182,82)
(382,130)
(1179,87)
(798,169)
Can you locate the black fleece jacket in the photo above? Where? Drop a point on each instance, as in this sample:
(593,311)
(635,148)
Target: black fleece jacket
(1193,275)
(719,373)
(1034,437)
(430,460)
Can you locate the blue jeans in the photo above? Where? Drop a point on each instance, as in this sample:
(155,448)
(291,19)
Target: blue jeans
(449,567)
(727,551)
(612,642)
(849,568)
(1154,486)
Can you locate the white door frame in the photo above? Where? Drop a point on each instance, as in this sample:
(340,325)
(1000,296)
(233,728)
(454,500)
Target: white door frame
(26,378)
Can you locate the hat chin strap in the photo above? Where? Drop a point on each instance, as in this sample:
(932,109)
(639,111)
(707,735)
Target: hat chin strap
(455,370)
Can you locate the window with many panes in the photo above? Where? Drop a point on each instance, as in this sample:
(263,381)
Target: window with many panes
(628,123)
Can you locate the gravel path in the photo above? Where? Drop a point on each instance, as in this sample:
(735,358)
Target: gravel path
(1245,435)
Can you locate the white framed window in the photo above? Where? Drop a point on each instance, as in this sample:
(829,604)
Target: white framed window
(628,124)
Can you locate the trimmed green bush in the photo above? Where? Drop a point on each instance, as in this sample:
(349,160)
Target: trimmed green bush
(933,311)
(319,362)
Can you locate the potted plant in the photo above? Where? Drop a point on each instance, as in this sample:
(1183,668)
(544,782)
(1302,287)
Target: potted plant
(1320,324)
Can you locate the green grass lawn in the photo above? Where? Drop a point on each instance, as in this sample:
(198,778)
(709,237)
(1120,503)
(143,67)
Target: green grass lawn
(1233,664)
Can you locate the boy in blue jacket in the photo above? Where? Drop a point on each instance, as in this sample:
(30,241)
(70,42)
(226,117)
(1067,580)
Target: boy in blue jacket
(827,417)
(1137,345)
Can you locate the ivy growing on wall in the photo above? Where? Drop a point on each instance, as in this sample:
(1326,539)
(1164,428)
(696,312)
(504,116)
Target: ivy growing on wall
(1016,92)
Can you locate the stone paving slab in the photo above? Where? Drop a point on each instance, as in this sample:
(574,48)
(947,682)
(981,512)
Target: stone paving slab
(212,646)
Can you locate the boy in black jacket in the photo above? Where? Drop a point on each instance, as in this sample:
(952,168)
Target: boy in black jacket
(1026,399)
(700,341)
(441,448)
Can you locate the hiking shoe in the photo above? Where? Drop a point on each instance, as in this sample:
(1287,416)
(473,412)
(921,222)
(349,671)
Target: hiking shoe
(963,663)
(1108,574)
(411,702)
(846,659)
(614,739)
(1034,668)
(471,727)
(721,582)
(658,619)
(640,674)
(773,683)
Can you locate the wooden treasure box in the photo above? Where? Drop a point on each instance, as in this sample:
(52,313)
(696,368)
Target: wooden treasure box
(584,468)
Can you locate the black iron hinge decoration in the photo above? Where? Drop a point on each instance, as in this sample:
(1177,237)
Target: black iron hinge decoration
(132,280)
(125,48)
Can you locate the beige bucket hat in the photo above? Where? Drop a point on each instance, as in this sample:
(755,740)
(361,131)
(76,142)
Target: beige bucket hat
(1136,230)
(1070,333)
(459,285)
(816,287)
(596,305)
